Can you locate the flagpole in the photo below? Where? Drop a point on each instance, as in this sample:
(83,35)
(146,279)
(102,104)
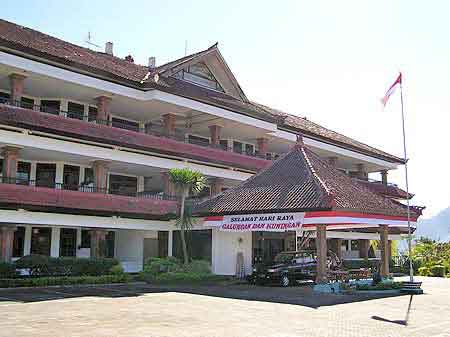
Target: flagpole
(411,271)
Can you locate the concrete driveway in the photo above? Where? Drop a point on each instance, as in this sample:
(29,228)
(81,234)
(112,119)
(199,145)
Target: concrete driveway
(242,310)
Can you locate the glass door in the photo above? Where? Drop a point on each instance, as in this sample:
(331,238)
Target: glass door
(41,239)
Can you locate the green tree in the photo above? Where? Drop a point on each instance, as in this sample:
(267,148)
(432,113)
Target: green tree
(186,182)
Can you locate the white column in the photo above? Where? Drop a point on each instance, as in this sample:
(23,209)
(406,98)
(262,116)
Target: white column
(59,173)
(54,247)
(170,244)
(27,241)
(81,180)
(140,184)
(33,171)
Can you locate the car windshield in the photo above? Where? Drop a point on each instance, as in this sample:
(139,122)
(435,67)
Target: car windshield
(284,257)
(299,257)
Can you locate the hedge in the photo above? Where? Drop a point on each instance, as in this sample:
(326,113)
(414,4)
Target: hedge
(63,280)
(41,265)
(361,263)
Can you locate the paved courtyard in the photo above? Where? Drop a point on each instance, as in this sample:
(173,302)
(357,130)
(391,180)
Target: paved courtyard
(239,310)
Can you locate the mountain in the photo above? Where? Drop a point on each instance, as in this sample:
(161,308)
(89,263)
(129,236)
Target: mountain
(436,227)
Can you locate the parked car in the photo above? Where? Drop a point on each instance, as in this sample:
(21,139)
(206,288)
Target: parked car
(290,267)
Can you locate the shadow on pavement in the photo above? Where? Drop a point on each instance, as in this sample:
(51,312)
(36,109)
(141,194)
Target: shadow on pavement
(299,295)
(400,321)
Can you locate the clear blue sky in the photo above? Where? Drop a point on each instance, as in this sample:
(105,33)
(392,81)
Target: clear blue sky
(330,61)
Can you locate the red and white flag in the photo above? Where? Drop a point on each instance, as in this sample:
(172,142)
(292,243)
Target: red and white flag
(391,89)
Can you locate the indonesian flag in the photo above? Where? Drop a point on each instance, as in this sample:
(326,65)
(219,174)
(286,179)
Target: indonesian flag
(391,89)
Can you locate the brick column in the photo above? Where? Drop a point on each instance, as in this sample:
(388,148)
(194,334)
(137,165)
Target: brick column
(384,268)
(216,186)
(168,187)
(262,144)
(16,82)
(103,109)
(169,124)
(100,169)
(214,131)
(98,243)
(6,242)
(384,174)
(10,160)
(364,248)
(361,171)
(321,246)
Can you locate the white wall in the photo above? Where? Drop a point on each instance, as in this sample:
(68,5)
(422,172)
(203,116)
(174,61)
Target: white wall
(225,246)
(129,248)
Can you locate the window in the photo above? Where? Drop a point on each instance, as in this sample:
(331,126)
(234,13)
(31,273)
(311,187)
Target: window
(50,106)
(88,175)
(249,149)
(110,239)
(237,147)
(122,185)
(18,243)
(23,173)
(200,74)
(198,140)
(67,242)
(4,97)
(27,103)
(125,124)
(198,244)
(354,244)
(92,114)
(41,238)
(224,144)
(71,177)
(85,238)
(45,175)
(75,110)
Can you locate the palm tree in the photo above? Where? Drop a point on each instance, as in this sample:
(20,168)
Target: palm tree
(186,182)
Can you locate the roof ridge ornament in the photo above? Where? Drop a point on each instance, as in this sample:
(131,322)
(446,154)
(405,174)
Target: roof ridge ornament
(299,144)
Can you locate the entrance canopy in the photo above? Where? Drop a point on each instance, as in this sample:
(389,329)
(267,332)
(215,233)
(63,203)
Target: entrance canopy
(300,190)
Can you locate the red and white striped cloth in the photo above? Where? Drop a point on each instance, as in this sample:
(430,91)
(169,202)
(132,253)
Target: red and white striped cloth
(391,89)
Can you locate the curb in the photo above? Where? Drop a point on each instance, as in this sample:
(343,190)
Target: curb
(78,285)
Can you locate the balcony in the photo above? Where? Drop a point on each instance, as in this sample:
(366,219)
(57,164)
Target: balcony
(389,190)
(78,126)
(84,200)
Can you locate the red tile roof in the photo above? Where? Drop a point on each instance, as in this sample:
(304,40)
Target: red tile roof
(392,191)
(299,181)
(34,44)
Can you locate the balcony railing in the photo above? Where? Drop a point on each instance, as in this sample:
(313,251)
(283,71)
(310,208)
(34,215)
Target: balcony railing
(150,129)
(87,188)
(45,195)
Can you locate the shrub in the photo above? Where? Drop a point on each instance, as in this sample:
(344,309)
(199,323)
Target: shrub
(172,270)
(63,280)
(437,270)
(7,270)
(117,270)
(40,265)
(155,265)
(424,271)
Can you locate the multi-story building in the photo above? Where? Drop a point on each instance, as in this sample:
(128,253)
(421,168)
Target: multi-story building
(87,138)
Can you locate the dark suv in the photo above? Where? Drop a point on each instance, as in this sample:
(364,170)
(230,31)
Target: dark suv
(290,267)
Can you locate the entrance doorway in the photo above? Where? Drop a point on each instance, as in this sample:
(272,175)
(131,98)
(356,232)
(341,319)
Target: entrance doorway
(266,245)
(68,242)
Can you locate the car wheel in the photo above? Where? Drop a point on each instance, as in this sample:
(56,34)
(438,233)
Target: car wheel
(285,281)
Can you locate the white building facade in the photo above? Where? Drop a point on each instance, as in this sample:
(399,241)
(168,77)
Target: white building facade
(87,139)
